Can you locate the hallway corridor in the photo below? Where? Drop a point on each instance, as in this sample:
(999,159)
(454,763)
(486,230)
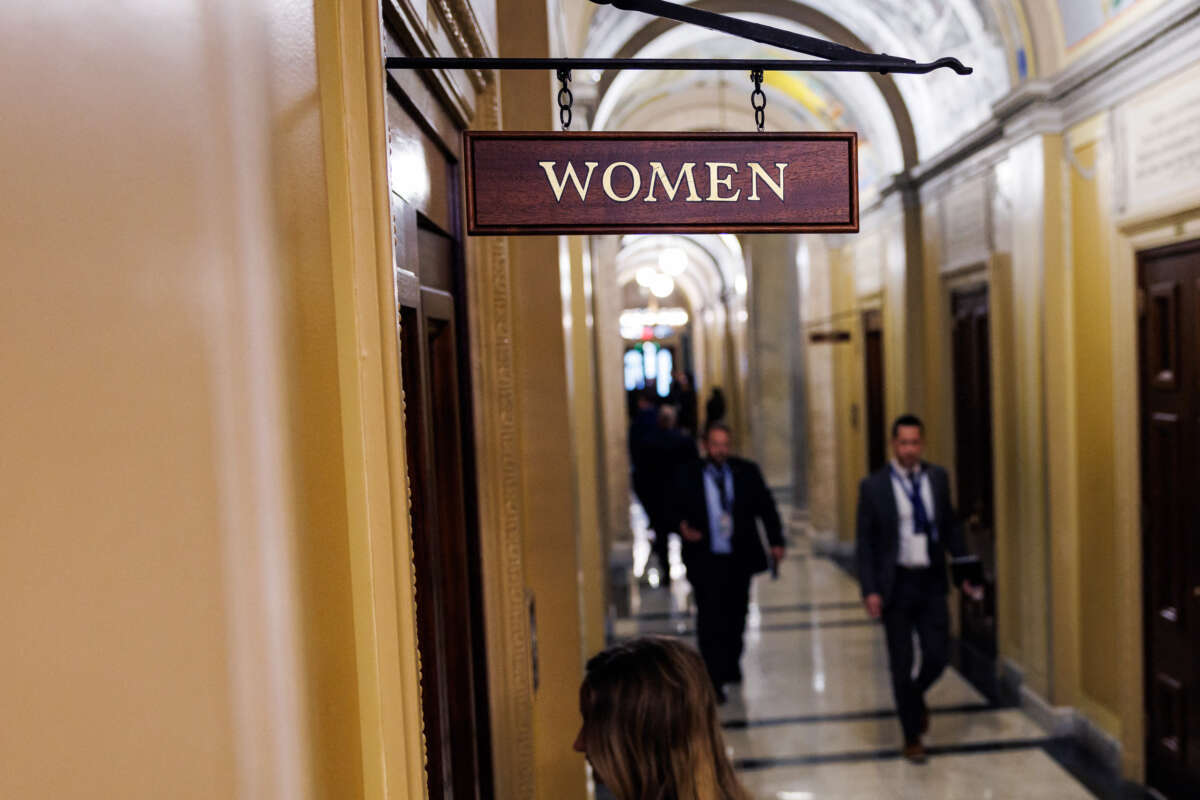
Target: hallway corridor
(814,718)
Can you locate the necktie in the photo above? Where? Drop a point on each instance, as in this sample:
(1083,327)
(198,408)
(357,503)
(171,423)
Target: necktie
(722,492)
(921,522)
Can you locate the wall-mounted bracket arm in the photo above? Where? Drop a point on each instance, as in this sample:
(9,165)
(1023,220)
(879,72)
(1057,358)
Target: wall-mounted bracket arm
(765,34)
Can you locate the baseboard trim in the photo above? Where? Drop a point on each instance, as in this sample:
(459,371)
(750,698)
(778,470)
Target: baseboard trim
(1063,721)
(827,543)
(1097,741)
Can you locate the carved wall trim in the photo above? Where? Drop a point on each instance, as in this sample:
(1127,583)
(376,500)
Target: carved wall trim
(408,33)
(464,28)
(491,312)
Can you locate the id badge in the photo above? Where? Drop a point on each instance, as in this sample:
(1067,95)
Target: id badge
(725,526)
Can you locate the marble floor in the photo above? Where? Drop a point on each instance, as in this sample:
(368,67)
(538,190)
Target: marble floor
(813,718)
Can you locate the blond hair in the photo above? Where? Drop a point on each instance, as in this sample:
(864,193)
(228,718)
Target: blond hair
(650,726)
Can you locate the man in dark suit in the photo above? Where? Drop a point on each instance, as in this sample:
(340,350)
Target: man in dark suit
(667,453)
(906,526)
(643,430)
(717,503)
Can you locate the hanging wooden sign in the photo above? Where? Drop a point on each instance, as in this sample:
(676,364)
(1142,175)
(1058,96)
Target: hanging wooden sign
(555,183)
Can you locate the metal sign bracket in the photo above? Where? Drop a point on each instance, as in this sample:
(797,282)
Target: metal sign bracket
(828,56)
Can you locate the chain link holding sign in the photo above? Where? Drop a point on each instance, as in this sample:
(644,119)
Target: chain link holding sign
(565,99)
(758,100)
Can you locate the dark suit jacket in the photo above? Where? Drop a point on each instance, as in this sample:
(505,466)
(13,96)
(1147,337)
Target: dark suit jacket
(751,500)
(878,534)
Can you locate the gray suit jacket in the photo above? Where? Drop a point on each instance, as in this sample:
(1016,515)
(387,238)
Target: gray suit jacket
(877,541)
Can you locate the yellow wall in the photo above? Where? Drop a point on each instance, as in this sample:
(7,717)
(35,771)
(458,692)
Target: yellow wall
(550,549)
(1095,456)
(848,378)
(576,271)
(177,542)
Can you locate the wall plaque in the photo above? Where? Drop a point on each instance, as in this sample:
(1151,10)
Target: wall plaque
(554,183)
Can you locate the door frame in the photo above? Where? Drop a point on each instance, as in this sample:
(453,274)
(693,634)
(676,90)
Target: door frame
(977,275)
(1134,235)
(871,323)
(973,282)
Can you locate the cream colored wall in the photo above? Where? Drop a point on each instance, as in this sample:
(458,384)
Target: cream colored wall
(611,390)
(178,546)
(773,334)
(816,308)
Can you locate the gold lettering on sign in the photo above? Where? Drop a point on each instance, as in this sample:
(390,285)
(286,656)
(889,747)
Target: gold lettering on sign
(657,173)
(608,188)
(756,172)
(715,182)
(569,174)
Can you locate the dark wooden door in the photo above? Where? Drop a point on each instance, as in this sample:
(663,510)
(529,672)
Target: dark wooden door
(973,457)
(873,358)
(1169,360)
(444,525)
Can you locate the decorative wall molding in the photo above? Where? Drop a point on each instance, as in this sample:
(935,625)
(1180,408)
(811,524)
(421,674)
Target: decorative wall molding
(510,686)
(1149,52)
(410,30)
(463,27)
(966,224)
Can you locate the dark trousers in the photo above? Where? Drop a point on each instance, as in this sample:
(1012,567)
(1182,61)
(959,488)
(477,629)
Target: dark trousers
(660,546)
(722,592)
(918,604)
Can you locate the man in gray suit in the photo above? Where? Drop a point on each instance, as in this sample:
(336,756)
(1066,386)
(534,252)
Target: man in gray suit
(906,526)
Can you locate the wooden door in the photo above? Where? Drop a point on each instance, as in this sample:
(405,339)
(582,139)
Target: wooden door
(973,457)
(877,436)
(1169,355)
(444,522)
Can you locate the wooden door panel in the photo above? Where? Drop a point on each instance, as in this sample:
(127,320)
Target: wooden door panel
(1162,515)
(423,519)
(1163,332)
(973,456)
(1169,338)
(447,474)
(1169,711)
(876,420)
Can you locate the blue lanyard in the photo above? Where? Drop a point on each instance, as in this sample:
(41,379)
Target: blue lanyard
(910,493)
(921,520)
(719,476)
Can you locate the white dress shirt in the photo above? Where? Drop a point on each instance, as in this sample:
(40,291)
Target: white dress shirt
(914,547)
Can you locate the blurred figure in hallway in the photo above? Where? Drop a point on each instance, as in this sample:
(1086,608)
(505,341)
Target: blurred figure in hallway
(668,451)
(906,525)
(714,407)
(650,727)
(716,505)
(683,398)
(642,432)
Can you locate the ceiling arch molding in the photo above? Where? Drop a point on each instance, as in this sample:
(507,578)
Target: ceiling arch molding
(802,15)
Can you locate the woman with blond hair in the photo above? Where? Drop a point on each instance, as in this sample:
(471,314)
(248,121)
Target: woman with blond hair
(650,728)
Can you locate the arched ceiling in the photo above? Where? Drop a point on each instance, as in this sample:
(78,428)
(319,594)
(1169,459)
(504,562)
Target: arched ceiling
(716,269)
(901,119)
